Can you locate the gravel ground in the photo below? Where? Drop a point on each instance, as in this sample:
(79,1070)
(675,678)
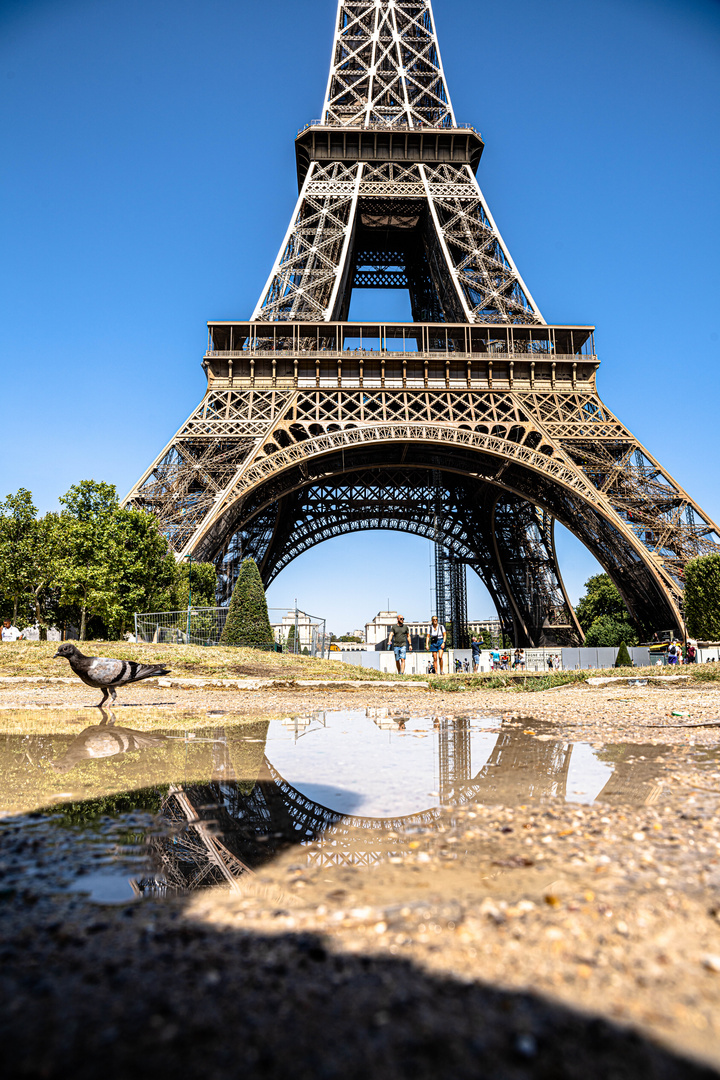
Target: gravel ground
(625,710)
(552,941)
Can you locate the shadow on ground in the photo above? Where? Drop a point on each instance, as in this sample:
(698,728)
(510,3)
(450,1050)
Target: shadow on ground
(150,990)
(122,997)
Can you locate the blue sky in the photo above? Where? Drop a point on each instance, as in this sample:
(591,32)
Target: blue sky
(147,177)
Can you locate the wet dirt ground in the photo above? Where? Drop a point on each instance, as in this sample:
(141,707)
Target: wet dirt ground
(333,883)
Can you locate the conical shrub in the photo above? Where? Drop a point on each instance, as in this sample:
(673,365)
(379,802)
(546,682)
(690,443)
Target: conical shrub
(623,657)
(247,620)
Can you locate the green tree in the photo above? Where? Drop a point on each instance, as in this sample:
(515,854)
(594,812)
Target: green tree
(44,566)
(623,657)
(603,615)
(607,630)
(290,645)
(247,620)
(601,599)
(87,540)
(18,539)
(702,597)
(141,566)
(203,577)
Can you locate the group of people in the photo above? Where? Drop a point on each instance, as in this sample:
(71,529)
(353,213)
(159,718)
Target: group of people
(676,655)
(436,644)
(500,661)
(435,639)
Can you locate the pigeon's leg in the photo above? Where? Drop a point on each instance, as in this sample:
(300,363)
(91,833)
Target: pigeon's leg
(114,694)
(104,697)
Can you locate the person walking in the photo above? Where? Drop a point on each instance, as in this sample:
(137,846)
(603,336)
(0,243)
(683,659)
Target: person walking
(399,638)
(10,632)
(475,646)
(435,641)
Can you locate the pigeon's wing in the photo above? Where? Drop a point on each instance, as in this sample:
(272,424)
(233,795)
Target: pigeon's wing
(104,671)
(136,671)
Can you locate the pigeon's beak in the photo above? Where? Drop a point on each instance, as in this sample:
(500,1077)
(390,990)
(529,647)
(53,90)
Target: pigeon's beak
(57,656)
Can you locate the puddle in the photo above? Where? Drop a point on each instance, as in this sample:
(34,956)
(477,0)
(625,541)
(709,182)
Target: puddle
(138,812)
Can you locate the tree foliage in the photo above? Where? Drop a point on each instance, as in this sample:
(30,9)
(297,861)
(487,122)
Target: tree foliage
(702,597)
(198,578)
(92,565)
(610,632)
(601,598)
(290,644)
(247,620)
(18,538)
(603,615)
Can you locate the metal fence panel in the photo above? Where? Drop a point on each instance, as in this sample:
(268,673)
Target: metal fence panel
(294,630)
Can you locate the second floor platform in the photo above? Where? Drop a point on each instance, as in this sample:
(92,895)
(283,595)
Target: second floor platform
(400,355)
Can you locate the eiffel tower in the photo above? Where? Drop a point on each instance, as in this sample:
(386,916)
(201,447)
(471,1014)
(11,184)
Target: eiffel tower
(476,425)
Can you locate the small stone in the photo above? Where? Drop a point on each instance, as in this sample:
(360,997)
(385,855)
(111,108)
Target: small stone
(711,962)
(526,1045)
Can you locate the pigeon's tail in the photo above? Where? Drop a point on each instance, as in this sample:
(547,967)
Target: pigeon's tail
(149,671)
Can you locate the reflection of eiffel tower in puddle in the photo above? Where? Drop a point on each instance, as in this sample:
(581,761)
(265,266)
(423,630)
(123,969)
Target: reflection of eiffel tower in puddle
(223,832)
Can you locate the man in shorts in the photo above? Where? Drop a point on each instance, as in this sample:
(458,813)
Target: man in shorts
(399,639)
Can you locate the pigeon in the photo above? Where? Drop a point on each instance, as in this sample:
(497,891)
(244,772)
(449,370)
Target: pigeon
(104,740)
(106,674)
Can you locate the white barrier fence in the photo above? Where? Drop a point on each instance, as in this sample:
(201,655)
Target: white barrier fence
(419,663)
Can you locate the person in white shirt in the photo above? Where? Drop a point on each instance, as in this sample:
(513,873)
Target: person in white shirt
(10,632)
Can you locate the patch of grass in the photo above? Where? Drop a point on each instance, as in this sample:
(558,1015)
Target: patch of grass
(34,658)
(703,673)
(532,682)
(518,682)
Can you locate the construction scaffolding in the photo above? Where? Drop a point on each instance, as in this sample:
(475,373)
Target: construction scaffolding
(451,596)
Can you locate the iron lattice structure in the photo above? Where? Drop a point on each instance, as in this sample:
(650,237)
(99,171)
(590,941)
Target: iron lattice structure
(306,413)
